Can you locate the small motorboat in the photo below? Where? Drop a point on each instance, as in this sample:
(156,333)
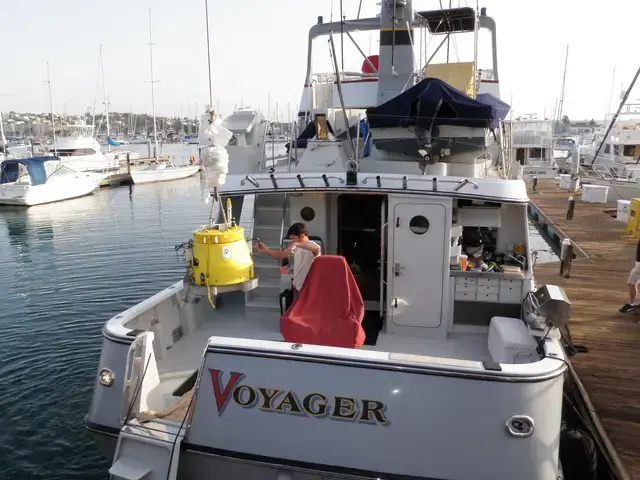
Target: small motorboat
(38,180)
(163,172)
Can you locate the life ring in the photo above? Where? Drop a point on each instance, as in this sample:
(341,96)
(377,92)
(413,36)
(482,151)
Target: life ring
(192,159)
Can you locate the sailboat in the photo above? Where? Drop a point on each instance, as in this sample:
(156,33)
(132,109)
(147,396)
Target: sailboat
(159,172)
(116,155)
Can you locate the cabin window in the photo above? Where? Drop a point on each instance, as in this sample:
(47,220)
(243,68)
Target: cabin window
(617,150)
(537,153)
(307,214)
(74,152)
(322,132)
(629,150)
(607,148)
(419,225)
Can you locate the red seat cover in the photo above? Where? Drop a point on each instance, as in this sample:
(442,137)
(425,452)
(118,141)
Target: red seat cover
(329,308)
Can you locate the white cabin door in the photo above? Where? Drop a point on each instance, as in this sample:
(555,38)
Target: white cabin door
(417,266)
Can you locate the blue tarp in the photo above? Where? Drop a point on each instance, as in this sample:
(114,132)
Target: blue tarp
(500,109)
(112,142)
(10,169)
(430,103)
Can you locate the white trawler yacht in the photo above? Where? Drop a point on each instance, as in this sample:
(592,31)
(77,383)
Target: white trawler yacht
(434,356)
(79,150)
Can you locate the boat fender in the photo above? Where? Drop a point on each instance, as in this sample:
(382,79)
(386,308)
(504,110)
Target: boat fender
(578,454)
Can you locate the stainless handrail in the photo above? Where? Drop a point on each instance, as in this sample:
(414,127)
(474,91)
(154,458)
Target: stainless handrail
(264,147)
(284,214)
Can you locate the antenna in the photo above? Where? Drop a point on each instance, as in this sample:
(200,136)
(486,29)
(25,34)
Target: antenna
(53,125)
(206,10)
(153,100)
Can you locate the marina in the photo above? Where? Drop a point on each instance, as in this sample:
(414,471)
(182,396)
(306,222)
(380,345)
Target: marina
(597,288)
(404,269)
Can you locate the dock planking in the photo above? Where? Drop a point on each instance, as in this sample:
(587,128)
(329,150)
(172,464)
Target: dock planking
(597,288)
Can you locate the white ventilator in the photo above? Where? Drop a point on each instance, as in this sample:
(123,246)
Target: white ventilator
(214,158)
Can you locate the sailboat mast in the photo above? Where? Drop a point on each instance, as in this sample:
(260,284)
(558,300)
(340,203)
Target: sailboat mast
(53,125)
(3,139)
(564,78)
(106,99)
(206,10)
(153,99)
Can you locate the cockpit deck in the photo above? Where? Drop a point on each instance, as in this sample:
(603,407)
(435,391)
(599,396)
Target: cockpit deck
(178,355)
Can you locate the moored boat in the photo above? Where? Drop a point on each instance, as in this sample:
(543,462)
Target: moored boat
(162,172)
(39,180)
(419,335)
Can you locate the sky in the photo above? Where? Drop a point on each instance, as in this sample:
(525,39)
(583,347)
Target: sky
(259,50)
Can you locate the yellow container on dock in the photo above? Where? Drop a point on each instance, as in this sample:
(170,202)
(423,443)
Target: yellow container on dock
(221,257)
(633,222)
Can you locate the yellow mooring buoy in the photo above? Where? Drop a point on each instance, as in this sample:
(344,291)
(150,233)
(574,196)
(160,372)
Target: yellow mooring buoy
(220,259)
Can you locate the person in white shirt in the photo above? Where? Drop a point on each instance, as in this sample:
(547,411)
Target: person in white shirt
(303,249)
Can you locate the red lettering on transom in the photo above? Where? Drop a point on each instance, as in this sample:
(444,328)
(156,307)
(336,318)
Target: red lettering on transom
(223,394)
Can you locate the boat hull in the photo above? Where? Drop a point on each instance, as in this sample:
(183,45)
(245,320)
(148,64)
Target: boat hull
(50,192)
(163,175)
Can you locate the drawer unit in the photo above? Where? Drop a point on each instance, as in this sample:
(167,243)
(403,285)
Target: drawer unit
(487,289)
(510,295)
(466,287)
(487,297)
(492,282)
(465,296)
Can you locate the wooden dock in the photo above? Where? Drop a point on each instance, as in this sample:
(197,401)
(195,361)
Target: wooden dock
(123,177)
(597,288)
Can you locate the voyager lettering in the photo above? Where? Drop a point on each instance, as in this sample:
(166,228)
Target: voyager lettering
(341,408)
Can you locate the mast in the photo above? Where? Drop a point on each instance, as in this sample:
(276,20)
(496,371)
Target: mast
(3,139)
(106,98)
(615,117)
(53,125)
(206,10)
(564,78)
(608,108)
(153,99)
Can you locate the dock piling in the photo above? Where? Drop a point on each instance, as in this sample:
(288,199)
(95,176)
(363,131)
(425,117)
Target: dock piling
(566,255)
(571,205)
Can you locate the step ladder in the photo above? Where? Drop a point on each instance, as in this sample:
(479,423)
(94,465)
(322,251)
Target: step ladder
(148,451)
(270,223)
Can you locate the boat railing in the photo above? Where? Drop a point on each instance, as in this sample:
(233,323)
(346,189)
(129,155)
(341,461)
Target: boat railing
(284,215)
(264,148)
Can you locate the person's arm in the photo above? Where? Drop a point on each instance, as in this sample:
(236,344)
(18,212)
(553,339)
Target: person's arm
(277,254)
(311,246)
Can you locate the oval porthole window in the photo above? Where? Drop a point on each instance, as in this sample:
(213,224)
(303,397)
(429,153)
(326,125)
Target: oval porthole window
(419,225)
(307,214)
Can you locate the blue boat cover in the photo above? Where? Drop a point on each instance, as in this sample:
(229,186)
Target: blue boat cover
(429,103)
(10,169)
(500,109)
(112,142)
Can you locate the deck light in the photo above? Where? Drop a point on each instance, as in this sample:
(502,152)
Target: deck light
(106,377)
